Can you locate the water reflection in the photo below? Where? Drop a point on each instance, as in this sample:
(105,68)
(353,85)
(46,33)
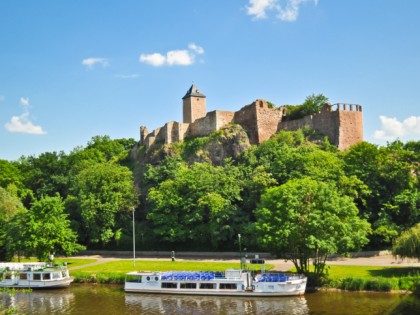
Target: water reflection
(38,302)
(171,304)
(105,299)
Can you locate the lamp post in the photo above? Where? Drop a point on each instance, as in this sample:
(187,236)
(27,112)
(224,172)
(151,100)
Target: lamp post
(134,242)
(240,250)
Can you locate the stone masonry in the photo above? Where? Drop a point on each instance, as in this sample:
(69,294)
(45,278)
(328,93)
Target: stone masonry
(341,123)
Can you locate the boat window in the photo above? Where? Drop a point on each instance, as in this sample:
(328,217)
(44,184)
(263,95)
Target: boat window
(46,276)
(207,285)
(133,278)
(8,275)
(169,285)
(187,285)
(23,276)
(36,276)
(56,275)
(228,286)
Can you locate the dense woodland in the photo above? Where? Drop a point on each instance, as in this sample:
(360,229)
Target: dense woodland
(289,195)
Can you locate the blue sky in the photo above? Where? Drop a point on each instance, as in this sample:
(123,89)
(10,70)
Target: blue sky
(70,70)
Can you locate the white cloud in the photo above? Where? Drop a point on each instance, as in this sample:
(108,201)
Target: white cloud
(155,59)
(258,8)
(91,62)
(22,123)
(392,128)
(184,57)
(179,57)
(286,10)
(199,50)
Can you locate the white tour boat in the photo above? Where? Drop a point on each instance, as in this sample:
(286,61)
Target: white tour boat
(232,282)
(33,275)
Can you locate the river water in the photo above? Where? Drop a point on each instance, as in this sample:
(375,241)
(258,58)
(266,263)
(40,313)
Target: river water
(104,300)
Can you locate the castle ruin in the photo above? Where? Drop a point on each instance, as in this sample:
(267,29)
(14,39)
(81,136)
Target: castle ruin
(341,123)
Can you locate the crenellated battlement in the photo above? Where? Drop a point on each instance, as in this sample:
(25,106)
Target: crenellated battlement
(342,123)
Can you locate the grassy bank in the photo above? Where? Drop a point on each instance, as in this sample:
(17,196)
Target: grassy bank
(373,278)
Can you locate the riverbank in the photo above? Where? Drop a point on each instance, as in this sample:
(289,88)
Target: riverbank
(378,273)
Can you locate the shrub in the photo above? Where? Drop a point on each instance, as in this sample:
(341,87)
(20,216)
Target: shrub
(379,284)
(353,284)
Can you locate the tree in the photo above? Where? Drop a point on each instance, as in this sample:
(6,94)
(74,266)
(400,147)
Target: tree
(199,204)
(10,205)
(105,195)
(45,229)
(305,219)
(10,174)
(390,173)
(312,105)
(407,245)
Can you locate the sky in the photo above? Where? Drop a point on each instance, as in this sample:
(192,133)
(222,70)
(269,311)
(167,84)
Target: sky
(71,69)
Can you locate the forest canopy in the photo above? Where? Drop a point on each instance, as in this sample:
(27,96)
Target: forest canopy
(193,204)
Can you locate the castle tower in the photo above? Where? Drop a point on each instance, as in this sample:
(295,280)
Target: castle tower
(194,105)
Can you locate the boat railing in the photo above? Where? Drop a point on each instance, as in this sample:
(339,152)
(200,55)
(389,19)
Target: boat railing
(191,275)
(278,277)
(22,266)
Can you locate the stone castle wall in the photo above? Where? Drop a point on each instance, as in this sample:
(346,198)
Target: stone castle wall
(341,123)
(259,120)
(212,122)
(351,125)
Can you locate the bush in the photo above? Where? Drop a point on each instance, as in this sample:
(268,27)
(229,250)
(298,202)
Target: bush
(353,284)
(379,284)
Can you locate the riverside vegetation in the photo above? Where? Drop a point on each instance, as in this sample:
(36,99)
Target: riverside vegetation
(364,278)
(294,195)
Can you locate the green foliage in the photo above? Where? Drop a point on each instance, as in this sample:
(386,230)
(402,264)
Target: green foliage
(374,284)
(313,104)
(46,174)
(407,245)
(10,205)
(199,203)
(304,218)
(203,206)
(42,230)
(10,174)
(105,193)
(390,174)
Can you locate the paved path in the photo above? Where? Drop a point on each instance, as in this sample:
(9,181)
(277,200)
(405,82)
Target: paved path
(279,264)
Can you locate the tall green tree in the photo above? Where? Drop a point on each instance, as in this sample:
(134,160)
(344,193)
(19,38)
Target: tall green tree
(45,229)
(10,205)
(390,174)
(46,174)
(104,194)
(199,204)
(305,219)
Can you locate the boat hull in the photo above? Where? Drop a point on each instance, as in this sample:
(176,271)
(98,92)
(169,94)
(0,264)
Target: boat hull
(218,293)
(58,284)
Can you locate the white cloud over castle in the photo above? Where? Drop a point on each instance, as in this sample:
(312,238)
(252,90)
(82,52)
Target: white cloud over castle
(183,57)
